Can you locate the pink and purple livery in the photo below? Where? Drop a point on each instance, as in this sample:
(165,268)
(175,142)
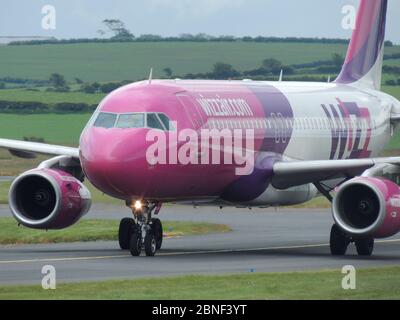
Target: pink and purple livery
(232,143)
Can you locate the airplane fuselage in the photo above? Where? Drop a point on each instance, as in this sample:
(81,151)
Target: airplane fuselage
(285,120)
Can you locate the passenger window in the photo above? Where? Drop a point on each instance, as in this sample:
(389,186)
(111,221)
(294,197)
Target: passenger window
(135,120)
(153,122)
(105,120)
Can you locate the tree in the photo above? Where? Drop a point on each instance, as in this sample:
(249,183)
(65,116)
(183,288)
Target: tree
(117,27)
(272,64)
(337,60)
(2,85)
(186,36)
(88,88)
(223,70)
(150,37)
(168,72)
(96,86)
(391,82)
(57,80)
(108,87)
(389,43)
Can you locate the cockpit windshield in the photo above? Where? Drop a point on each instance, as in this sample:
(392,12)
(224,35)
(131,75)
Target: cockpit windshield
(105,120)
(133,120)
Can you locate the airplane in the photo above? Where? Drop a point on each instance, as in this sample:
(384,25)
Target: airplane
(285,143)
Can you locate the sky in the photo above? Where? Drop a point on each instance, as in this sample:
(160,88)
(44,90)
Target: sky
(281,18)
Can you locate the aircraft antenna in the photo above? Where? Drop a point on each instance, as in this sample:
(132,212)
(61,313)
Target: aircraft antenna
(281,76)
(151,75)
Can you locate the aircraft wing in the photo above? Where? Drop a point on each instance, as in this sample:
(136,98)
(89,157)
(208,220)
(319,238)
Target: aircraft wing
(291,174)
(27,149)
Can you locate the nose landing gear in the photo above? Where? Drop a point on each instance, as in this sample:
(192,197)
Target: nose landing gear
(142,232)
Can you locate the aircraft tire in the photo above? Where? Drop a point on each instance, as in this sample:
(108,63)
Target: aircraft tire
(136,244)
(150,245)
(126,228)
(339,241)
(365,247)
(157,229)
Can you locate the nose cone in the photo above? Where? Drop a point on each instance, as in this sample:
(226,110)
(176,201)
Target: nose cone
(114,160)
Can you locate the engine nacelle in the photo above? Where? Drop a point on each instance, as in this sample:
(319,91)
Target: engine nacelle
(48,199)
(368,207)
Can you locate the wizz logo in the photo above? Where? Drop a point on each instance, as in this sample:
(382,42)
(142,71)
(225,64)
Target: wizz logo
(351,128)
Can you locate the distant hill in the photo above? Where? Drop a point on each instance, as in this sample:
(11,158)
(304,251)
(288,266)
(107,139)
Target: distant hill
(132,61)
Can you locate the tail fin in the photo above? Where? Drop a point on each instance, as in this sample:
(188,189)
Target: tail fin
(363,64)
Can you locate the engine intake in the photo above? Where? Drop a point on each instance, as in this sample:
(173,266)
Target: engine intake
(48,199)
(368,207)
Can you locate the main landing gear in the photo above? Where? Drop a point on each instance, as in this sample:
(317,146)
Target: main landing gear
(340,241)
(143,231)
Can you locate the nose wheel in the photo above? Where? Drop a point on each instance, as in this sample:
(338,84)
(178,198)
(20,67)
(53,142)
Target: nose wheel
(142,232)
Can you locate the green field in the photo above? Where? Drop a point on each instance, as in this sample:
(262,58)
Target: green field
(94,230)
(123,61)
(132,61)
(54,128)
(49,97)
(325,285)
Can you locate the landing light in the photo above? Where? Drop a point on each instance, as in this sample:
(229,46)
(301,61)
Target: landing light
(138,205)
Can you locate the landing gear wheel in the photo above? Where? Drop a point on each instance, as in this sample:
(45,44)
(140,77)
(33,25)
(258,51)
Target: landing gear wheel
(126,228)
(339,241)
(365,246)
(150,245)
(136,244)
(157,229)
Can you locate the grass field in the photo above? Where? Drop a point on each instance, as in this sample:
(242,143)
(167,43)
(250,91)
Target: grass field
(94,230)
(50,97)
(132,61)
(380,283)
(54,128)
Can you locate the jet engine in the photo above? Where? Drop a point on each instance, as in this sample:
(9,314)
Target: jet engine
(48,199)
(368,207)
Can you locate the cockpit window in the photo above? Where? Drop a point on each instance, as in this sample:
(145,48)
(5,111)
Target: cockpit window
(166,122)
(153,122)
(132,120)
(105,120)
(135,120)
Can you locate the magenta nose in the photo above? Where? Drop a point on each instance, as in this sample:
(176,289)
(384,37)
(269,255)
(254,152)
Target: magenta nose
(114,160)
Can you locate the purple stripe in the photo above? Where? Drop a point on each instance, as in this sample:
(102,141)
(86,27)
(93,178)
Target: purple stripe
(344,134)
(274,102)
(250,187)
(334,139)
(340,133)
